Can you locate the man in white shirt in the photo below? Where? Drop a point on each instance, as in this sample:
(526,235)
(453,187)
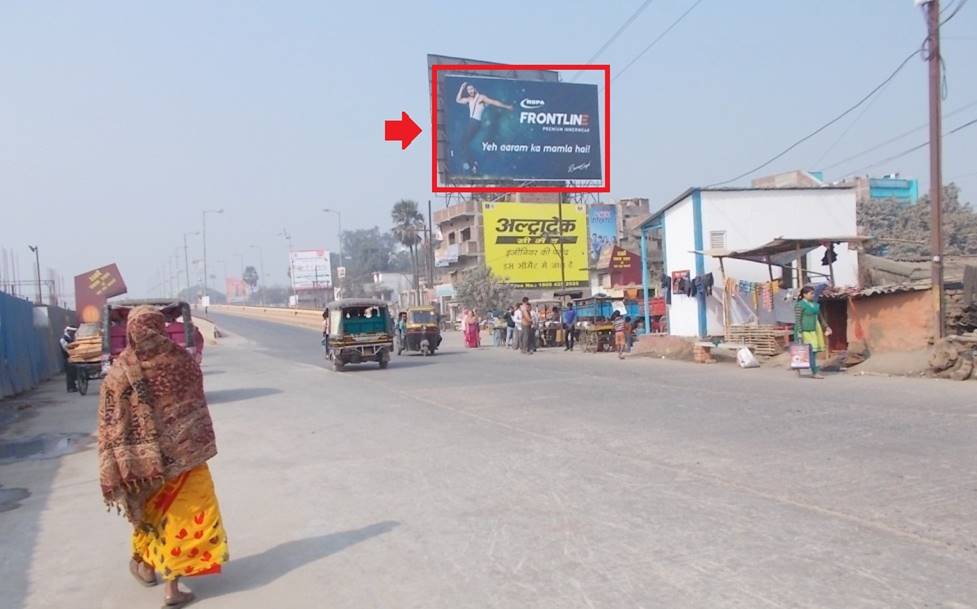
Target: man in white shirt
(517,332)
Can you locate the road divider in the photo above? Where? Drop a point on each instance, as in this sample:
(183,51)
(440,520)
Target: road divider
(306,318)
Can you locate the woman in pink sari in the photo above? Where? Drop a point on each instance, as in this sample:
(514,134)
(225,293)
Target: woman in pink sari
(470,321)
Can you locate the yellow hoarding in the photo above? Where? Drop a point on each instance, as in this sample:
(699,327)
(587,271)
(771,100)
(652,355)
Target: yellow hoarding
(522,243)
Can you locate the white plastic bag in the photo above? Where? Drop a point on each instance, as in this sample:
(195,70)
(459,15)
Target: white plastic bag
(746,359)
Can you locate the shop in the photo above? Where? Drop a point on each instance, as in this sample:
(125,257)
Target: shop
(705,221)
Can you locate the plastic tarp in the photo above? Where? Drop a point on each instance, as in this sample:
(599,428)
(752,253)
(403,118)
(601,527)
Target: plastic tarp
(29,349)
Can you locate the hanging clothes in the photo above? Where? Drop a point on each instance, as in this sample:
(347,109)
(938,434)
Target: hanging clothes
(830,257)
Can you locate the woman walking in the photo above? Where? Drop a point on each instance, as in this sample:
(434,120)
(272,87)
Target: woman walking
(810,328)
(470,322)
(155,437)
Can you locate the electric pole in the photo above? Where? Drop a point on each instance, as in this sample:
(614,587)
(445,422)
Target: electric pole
(936,161)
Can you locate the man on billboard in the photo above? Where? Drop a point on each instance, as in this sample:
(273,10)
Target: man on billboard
(477,102)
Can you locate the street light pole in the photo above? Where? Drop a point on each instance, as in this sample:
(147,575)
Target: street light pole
(37,270)
(339,224)
(240,258)
(204,214)
(261,267)
(291,270)
(186,259)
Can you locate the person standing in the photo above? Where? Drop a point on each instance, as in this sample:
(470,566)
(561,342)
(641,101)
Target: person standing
(534,333)
(810,327)
(569,327)
(620,336)
(526,326)
(70,372)
(155,437)
(510,326)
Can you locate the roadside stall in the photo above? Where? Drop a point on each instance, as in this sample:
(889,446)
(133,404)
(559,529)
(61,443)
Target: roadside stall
(595,331)
(760,315)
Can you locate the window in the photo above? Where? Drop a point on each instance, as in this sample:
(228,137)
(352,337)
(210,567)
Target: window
(466,234)
(451,238)
(717,240)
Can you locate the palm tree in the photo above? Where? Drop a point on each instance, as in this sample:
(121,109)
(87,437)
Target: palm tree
(408,225)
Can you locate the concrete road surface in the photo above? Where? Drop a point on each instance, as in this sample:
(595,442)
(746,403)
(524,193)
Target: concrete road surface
(488,479)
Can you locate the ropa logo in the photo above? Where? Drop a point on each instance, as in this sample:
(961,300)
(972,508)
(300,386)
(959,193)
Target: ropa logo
(532,104)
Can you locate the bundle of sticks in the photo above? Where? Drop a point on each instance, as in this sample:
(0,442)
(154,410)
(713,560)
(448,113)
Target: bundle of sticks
(85,350)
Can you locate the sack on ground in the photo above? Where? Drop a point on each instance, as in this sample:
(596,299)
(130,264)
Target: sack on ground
(746,359)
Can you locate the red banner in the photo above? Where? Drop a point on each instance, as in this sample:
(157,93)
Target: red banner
(95,287)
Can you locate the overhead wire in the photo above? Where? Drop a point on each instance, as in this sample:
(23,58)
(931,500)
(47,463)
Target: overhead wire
(831,122)
(897,137)
(616,34)
(654,42)
(913,149)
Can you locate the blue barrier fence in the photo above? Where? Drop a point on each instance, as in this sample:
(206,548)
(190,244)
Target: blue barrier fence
(29,350)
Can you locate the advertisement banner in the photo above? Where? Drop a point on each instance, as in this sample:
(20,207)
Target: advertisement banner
(502,128)
(237,291)
(602,219)
(94,288)
(522,243)
(311,269)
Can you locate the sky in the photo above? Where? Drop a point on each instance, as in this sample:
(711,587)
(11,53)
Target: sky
(121,122)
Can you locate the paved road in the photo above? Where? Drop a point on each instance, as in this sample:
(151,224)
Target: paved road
(490,479)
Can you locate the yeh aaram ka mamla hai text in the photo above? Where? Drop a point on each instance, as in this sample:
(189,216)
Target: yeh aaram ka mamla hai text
(564,149)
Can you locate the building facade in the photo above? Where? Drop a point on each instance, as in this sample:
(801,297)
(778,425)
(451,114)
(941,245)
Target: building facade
(727,219)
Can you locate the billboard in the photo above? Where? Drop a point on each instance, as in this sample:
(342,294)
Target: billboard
(511,129)
(602,220)
(522,243)
(95,287)
(236,289)
(310,269)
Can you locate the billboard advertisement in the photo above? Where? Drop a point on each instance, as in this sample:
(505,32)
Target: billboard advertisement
(237,291)
(602,219)
(95,287)
(522,243)
(509,129)
(310,269)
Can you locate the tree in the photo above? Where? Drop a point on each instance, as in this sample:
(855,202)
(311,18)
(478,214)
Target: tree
(369,251)
(904,231)
(408,226)
(480,289)
(250,277)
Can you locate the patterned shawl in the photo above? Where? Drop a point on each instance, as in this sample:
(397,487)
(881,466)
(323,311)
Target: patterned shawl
(153,422)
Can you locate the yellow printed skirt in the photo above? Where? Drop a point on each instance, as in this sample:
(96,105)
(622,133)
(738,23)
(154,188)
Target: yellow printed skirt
(815,339)
(182,534)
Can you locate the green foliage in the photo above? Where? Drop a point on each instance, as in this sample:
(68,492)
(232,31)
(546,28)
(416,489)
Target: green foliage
(250,277)
(481,290)
(904,232)
(368,251)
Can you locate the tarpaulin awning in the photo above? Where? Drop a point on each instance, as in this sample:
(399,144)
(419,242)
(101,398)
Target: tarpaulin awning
(781,251)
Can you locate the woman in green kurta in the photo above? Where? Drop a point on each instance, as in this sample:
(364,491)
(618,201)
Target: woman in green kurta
(810,327)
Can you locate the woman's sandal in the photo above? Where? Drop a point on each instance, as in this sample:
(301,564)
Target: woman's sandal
(138,575)
(186,600)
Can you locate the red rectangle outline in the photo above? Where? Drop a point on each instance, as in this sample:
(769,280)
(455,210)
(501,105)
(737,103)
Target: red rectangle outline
(606,69)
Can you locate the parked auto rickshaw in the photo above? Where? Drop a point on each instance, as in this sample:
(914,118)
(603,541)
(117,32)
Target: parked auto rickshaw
(361,332)
(422,333)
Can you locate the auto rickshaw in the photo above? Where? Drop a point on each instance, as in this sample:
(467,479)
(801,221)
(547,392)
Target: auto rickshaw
(422,333)
(361,331)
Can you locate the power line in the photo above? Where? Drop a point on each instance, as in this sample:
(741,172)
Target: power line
(848,129)
(960,5)
(898,137)
(850,109)
(658,39)
(913,149)
(615,35)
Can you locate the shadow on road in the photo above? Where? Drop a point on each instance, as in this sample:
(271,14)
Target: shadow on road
(239,395)
(259,570)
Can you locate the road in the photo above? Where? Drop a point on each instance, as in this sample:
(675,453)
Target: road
(488,479)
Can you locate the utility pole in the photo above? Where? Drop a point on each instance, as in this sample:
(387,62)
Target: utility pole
(291,269)
(563,263)
(936,162)
(204,214)
(37,270)
(430,247)
(186,261)
(339,224)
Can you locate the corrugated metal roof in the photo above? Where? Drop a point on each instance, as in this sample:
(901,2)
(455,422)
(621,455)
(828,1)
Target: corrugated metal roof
(878,290)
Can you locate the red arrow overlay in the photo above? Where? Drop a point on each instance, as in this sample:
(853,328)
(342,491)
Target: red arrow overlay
(404,130)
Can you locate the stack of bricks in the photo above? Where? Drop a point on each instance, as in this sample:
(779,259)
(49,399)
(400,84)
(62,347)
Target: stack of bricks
(702,354)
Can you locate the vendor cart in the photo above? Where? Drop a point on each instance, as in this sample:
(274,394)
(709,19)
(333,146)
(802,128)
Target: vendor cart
(595,331)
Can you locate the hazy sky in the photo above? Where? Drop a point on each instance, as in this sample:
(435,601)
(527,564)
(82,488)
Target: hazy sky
(121,121)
